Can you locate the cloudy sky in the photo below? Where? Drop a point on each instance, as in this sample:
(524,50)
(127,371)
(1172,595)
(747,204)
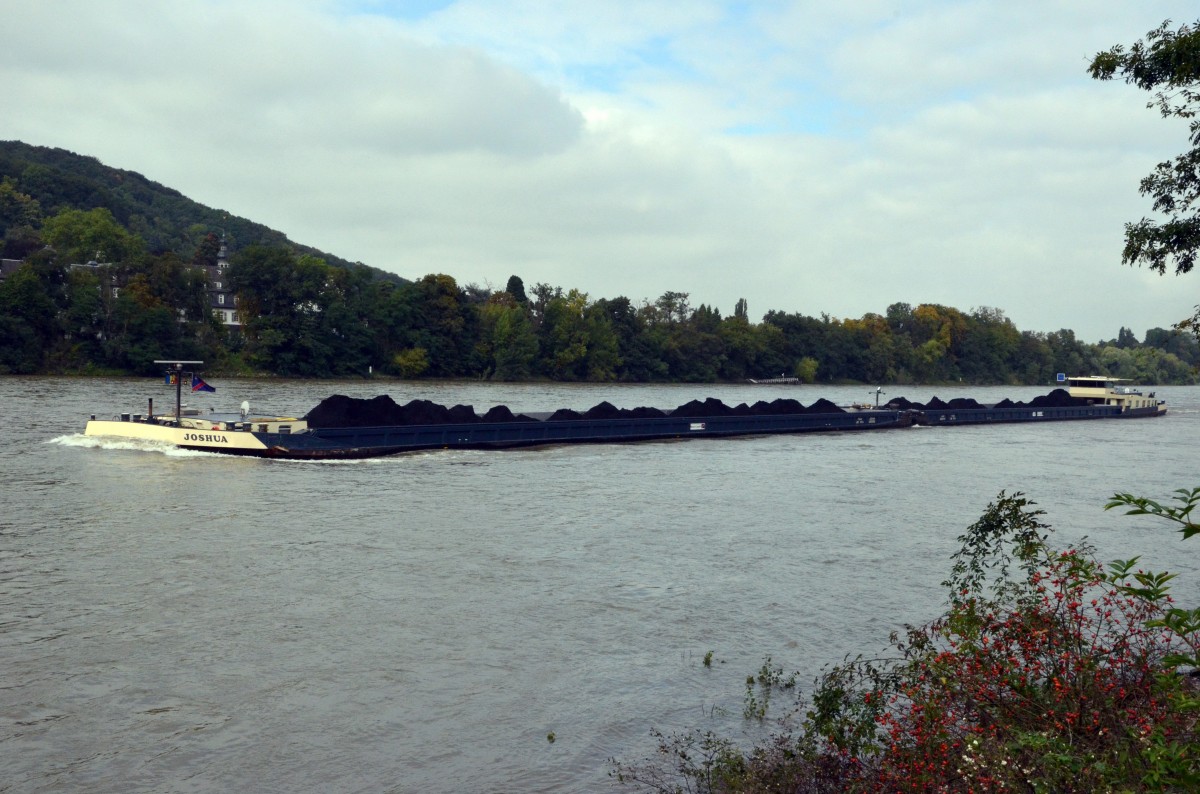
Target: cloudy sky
(813,157)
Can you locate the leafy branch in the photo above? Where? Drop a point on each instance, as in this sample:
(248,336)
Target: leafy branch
(1182,515)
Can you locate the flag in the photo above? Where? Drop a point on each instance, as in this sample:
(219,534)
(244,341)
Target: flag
(171,376)
(200,385)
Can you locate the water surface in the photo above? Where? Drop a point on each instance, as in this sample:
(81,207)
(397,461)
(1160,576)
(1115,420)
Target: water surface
(184,622)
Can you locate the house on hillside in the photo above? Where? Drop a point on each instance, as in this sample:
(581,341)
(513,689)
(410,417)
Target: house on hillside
(113,286)
(221,298)
(8,267)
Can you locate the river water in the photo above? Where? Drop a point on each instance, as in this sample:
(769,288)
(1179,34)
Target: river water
(186,622)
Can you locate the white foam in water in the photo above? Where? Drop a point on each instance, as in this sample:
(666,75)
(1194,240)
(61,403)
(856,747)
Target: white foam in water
(137,445)
(170,450)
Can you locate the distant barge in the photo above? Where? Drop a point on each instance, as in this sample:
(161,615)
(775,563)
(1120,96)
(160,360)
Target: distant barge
(1091,397)
(344,427)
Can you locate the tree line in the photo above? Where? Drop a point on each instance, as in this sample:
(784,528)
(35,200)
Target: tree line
(303,317)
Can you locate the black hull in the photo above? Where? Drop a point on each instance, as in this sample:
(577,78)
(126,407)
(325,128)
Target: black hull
(952,417)
(341,443)
(370,442)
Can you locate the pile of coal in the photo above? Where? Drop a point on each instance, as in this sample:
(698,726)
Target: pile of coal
(342,411)
(607,410)
(1059,398)
(700,410)
(1056,399)
(501,413)
(382,411)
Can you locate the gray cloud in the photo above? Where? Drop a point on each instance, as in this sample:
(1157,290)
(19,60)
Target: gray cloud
(931,152)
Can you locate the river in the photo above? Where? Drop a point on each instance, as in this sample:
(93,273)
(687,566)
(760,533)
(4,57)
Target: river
(184,622)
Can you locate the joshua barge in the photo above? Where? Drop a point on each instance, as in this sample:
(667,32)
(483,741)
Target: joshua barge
(346,427)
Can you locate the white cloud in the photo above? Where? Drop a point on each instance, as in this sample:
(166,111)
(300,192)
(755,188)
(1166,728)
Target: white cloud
(935,151)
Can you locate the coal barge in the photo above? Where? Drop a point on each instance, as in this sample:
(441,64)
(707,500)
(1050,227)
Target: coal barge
(343,427)
(1091,397)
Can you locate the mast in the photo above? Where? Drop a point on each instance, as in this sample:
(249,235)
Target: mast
(176,368)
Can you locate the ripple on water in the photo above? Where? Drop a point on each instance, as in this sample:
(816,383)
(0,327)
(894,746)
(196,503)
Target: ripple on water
(204,623)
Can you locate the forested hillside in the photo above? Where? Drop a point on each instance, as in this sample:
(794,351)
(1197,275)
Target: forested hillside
(301,313)
(164,219)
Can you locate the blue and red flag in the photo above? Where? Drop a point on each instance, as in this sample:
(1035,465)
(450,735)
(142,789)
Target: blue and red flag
(200,385)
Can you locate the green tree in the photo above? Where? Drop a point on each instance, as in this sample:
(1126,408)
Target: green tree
(443,324)
(1125,338)
(1167,62)
(282,300)
(17,208)
(143,331)
(673,307)
(577,340)
(743,347)
(639,351)
(410,363)
(806,370)
(80,236)
(345,320)
(28,322)
(1069,355)
(1184,346)
(989,351)
(1037,361)
(207,251)
(507,341)
(516,288)
(83,320)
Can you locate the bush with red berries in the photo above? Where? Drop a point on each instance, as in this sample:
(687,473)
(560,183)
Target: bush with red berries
(1049,672)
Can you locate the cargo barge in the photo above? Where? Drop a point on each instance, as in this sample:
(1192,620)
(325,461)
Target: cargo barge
(344,427)
(1090,397)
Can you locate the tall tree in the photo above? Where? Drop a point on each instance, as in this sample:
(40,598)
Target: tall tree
(79,236)
(28,322)
(507,343)
(1167,63)
(516,288)
(17,208)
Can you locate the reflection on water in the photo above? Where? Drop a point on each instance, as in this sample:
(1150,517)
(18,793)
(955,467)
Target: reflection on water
(187,621)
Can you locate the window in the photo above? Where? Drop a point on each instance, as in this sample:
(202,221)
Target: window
(221,299)
(116,292)
(234,318)
(216,285)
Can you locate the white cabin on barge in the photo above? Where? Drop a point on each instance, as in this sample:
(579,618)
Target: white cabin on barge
(1103,390)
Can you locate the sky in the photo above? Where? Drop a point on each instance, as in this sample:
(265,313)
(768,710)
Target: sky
(812,157)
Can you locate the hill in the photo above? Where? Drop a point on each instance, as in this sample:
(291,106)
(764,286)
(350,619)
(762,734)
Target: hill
(163,217)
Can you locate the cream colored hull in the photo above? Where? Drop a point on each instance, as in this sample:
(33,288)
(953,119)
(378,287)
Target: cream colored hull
(189,437)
